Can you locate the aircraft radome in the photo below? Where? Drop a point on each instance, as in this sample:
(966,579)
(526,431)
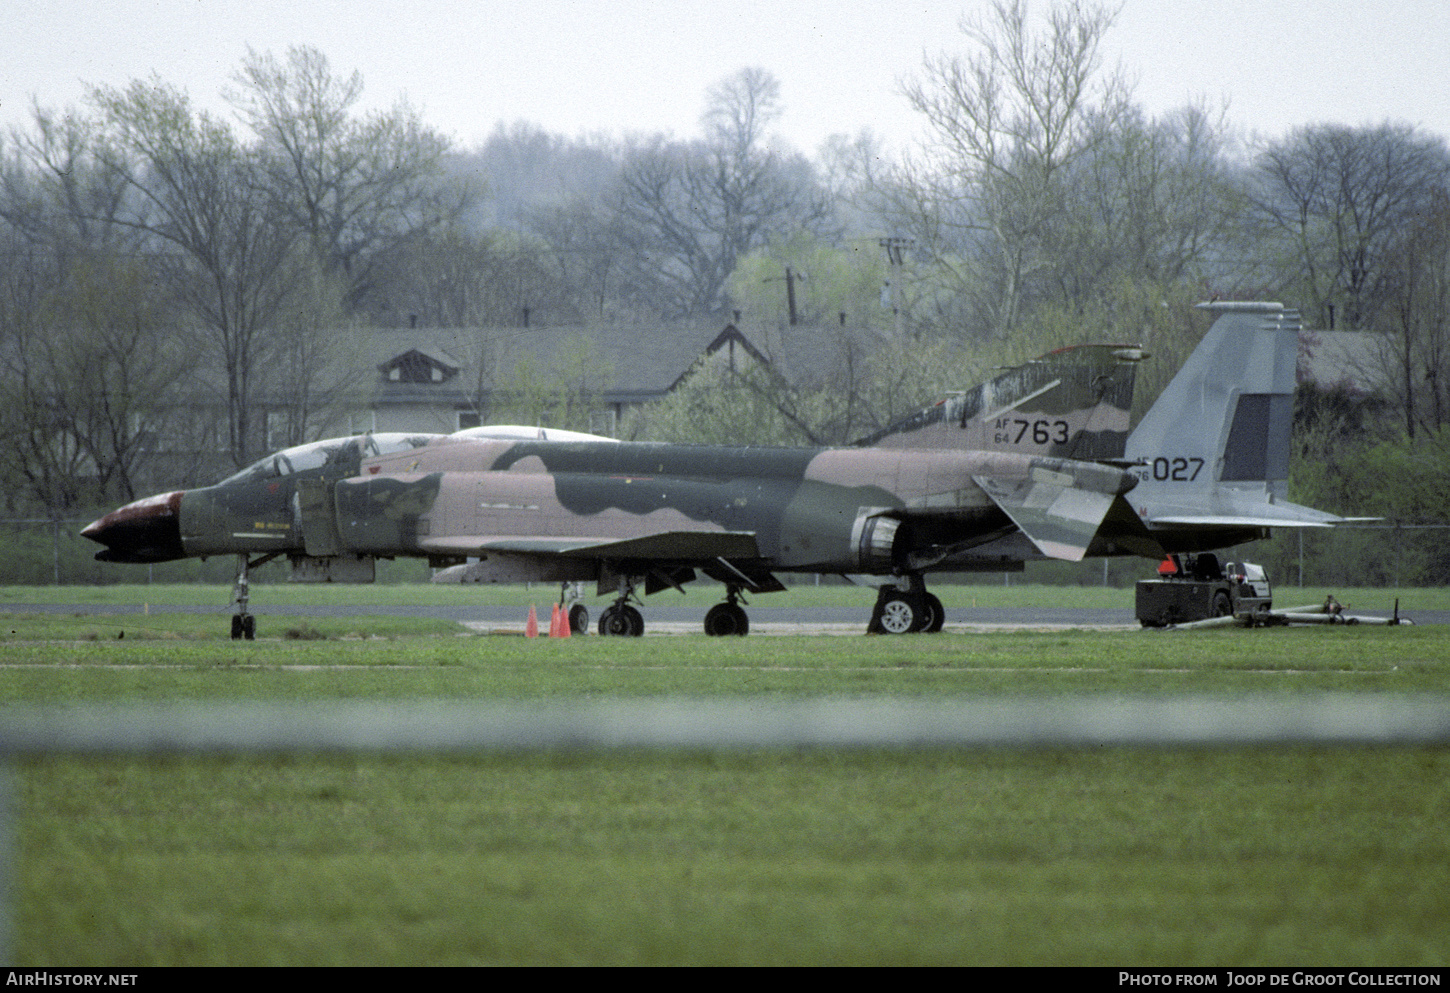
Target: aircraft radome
(1038,463)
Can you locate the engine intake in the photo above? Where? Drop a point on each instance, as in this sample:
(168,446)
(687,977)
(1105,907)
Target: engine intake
(877,544)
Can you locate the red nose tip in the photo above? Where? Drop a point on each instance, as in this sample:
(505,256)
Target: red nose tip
(146,530)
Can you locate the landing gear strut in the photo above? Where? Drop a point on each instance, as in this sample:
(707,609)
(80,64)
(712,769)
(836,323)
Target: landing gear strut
(244,625)
(569,596)
(620,618)
(729,617)
(903,609)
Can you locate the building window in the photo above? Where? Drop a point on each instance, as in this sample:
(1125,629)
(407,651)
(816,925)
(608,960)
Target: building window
(279,426)
(603,422)
(362,422)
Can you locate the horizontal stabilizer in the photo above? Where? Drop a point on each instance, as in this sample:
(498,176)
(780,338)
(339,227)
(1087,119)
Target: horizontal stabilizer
(1256,521)
(1224,512)
(1059,518)
(686,546)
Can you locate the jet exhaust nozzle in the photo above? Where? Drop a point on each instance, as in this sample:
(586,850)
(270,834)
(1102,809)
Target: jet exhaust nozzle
(145,530)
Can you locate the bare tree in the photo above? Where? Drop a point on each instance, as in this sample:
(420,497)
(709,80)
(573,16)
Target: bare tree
(220,246)
(1007,121)
(1418,351)
(312,366)
(1339,196)
(56,192)
(1152,203)
(689,211)
(450,278)
(354,186)
(85,359)
(586,244)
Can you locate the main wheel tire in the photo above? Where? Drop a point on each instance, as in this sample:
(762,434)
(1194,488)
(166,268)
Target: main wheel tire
(614,621)
(936,614)
(635,620)
(900,616)
(726,619)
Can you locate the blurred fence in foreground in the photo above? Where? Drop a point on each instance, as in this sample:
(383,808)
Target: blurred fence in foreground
(431,727)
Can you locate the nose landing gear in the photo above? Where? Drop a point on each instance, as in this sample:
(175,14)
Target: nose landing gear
(244,625)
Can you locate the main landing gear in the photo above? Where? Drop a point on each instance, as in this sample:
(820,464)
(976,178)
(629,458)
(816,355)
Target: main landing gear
(621,617)
(723,619)
(904,609)
(729,617)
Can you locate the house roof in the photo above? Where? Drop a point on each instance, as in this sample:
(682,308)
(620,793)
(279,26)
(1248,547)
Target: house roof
(629,363)
(435,357)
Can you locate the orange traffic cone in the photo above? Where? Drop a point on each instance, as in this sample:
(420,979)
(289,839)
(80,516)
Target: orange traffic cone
(531,629)
(565,628)
(554,623)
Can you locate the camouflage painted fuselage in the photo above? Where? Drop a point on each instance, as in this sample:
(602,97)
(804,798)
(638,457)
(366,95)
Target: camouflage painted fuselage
(572,505)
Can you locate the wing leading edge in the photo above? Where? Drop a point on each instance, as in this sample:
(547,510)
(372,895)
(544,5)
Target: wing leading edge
(683,546)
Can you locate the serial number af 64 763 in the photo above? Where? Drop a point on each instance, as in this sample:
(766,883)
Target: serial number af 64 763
(1013,431)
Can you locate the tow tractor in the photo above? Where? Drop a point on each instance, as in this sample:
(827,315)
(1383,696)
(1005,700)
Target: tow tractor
(1197,587)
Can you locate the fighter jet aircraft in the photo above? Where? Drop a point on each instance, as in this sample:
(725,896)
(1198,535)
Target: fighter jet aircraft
(1035,464)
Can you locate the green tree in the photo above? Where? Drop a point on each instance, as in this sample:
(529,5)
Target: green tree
(827,282)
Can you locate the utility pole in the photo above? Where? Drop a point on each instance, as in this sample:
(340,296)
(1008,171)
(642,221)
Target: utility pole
(895,255)
(790,278)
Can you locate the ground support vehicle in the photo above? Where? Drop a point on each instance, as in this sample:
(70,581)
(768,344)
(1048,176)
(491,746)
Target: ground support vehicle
(1196,587)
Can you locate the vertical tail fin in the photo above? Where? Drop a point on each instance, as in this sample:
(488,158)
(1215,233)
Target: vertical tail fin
(1212,452)
(1071,403)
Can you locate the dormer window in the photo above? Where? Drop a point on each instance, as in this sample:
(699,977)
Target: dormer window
(418,366)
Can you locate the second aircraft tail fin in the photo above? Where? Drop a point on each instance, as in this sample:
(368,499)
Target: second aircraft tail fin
(1070,403)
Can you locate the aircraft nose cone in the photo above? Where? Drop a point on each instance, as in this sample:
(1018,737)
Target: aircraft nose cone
(146,530)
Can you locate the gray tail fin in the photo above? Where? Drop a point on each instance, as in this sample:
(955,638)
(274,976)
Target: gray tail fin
(1071,403)
(1212,453)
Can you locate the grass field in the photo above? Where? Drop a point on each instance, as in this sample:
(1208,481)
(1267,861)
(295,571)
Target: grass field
(993,594)
(1266,856)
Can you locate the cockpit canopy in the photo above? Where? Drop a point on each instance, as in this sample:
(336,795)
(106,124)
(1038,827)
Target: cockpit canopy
(344,453)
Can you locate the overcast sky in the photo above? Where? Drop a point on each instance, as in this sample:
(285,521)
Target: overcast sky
(642,66)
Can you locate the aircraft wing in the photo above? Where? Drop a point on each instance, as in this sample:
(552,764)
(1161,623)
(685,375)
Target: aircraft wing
(1059,517)
(684,546)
